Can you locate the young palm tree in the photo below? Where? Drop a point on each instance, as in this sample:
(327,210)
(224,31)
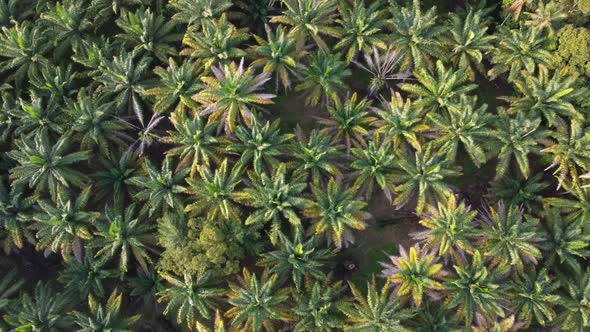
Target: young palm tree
(323,77)
(373,165)
(515,138)
(160,189)
(576,303)
(107,318)
(256,302)
(195,142)
(415,273)
(315,156)
(336,212)
(474,289)
(382,68)
(15,218)
(44,311)
(124,77)
(466,125)
(86,276)
(569,152)
(449,228)
(378,311)
(547,16)
(177,85)
(45,166)
(551,98)
(509,237)
(62,226)
(401,121)
(416,35)
(213,192)
(273,198)
(277,55)
(468,41)
(439,90)
(232,93)
(425,174)
(148,32)
(23,47)
(361,27)
(517,50)
(195,12)
(309,18)
(260,144)
(217,42)
(124,235)
(565,242)
(96,124)
(317,308)
(534,296)
(349,121)
(189,298)
(297,258)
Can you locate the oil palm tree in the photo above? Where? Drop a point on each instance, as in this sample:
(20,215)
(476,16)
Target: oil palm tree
(518,191)
(57,83)
(297,258)
(416,35)
(474,288)
(361,27)
(349,121)
(213,192)
(45,310)
(85,277)
(217,42)
(425,174)
(177,85)
(382,67)
(195,142)
(435,318)
(515,139)
(16,210)
(260,145)
(315,156)
(256,302)
(190,297)
(377,311)
(125,236)
(67,24)
(372,165)
(466,125)
(508,237)
(508,324)
(309,18)
(46,166)
(576,303)
(219,324)
(565,242)
(323,77)
(569,151)
(107,318)
(232,92)
(414,274)
(547,16)
(195,12)
(273,198)
(111,179)
(10,284)
(517,50)
(62,226)
(469,41)
(440,89)
(96,124)
(37,115)
(551,98)
(277,55)
(148,32)
(160,189)
(336,213)
(575,208)
(535,296)
(449,228)
(317,307)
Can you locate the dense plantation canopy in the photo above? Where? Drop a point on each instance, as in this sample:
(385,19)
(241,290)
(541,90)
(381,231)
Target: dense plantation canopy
(295,165)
